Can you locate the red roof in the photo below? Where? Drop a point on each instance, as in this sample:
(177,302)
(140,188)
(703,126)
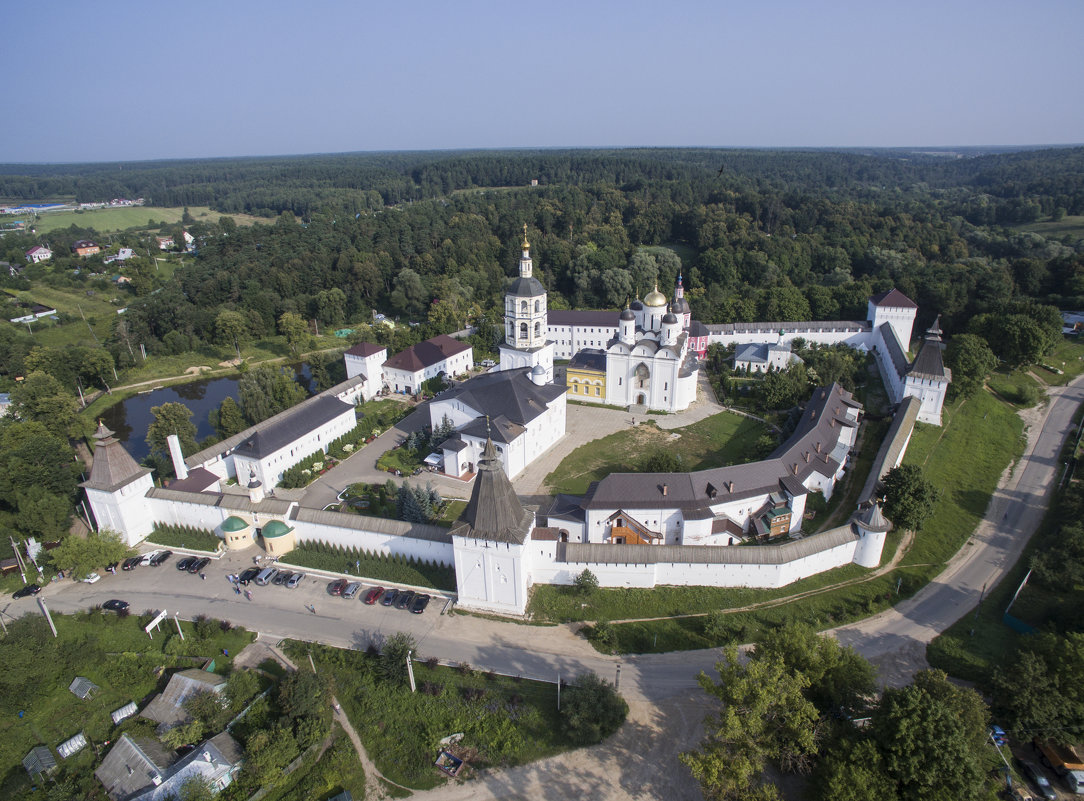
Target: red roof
(365,349)
(895,299)
(426,354)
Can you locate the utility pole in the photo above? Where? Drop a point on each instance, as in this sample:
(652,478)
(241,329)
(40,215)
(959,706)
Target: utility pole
(410,672)
(175,620)
(558,691)
(617,681)
(48,617)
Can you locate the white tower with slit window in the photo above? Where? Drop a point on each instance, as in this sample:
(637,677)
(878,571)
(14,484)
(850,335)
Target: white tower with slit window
(526,342)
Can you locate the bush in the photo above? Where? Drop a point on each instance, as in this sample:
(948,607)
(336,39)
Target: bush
(592,710)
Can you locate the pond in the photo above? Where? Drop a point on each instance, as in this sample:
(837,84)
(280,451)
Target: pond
(131,418)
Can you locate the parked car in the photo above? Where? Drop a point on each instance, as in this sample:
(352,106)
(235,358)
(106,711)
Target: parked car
(389,597)
(186,563)
(281,578)
(199,564)
(404,599)
(112,567)
(161,557)
(248,575)
(1038,778)
(295,580)
(132,563)
(28,590)
(336,587)
(115,605)
(93,577)
(266,576)
(373,595)
(351,589)
(418,605)
(147,557)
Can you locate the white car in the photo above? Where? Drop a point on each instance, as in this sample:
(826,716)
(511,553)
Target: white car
(90,579)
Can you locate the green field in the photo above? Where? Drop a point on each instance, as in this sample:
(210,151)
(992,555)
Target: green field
(716,441)
(123,218)
(1067,226)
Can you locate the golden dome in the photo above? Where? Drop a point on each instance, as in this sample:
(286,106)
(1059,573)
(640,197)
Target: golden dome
(655,297)
(526,244)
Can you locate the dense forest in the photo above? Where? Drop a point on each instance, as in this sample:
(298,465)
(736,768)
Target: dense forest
(770,235)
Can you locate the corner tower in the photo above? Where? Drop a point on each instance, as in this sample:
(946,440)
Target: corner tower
(116,489)
(526,330)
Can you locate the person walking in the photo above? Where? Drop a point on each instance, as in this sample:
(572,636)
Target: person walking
(203,576)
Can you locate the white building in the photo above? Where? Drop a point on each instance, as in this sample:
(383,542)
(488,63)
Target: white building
(522,414)
(760,358)
(407,370)
(526,331)
(366,360)
(38,253)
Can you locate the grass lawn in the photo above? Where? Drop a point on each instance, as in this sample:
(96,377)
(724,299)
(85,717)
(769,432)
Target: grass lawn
(1068,356)
(964,459)
(1016,387)
(719,440)
(125,217)
(505,721)
(336,770)
(112,652)
(319,556)
(1069,225)
(185,537)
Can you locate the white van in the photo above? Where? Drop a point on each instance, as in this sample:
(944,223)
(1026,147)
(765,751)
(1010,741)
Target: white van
(266,575)
(1075,780)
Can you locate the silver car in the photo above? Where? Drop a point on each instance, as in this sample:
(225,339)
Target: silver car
(294,580)
(351,589)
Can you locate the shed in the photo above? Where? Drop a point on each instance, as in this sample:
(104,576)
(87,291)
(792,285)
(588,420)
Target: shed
(124,712)
(83,688)
(72,746)
(39,760)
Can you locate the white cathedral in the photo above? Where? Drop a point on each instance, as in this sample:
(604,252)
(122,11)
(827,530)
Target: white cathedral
(645,360)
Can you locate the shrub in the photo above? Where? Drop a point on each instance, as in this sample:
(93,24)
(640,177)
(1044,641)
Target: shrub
(591,710)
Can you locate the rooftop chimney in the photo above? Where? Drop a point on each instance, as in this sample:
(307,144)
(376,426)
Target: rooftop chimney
(178,458)
(665,489)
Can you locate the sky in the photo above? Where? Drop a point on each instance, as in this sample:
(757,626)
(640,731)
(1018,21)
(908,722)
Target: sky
(118,80)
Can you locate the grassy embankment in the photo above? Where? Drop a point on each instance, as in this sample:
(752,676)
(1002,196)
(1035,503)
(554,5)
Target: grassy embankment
(964,458)
(718,440)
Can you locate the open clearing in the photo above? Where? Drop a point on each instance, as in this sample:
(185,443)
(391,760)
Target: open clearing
(125,217)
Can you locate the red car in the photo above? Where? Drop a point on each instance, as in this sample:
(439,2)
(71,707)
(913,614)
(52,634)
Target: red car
(373,595)
(336,587)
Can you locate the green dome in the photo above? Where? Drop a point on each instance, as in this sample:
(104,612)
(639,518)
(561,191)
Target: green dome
(234,524)
(276,528)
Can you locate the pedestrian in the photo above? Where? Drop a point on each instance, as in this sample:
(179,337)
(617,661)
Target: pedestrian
(236,589)
(225,652)
(248,594)
(203,576)
(312,609)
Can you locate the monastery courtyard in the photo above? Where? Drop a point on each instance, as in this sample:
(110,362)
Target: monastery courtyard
(583,424)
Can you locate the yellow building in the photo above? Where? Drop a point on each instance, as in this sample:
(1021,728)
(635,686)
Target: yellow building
(585,376)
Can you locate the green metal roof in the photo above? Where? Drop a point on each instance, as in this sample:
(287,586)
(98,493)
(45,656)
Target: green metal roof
(276,528)
(234,523)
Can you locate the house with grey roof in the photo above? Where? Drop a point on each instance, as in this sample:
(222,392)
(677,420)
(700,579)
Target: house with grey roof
(406,371)
(138,769)
(761,357)
(167,708)
(517,409)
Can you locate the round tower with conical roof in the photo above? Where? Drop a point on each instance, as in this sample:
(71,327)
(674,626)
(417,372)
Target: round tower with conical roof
(872,528)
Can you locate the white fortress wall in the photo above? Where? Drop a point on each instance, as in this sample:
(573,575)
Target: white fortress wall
(372,534)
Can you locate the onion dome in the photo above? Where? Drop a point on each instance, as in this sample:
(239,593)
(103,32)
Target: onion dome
(627,315)
(655,297)
(636,305)
(669,318)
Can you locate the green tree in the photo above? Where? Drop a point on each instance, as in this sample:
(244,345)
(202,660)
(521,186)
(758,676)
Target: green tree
(971,360)
(266,391)
(231,328)
(44,514)
(184,734)
(591,710)
(331,306)
(660,461)
(909,498)
(197,788)
(241,686)
(40,397)
(305,694)
(171,418)
(393,654)
(586,582)
(209,708)
(852,771)
(33,457)
(267,752)
(79,556)
(294,329)
(228,419)
(764,719)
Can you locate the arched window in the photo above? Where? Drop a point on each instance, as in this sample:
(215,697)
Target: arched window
(538,329)
(523,330)
(537,306)
(523,307)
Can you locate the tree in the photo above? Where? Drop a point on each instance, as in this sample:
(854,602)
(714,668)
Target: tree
(44,514)
(266,391)
(33,457)
(660,461)
(267,752)
(197,788)
(184,734)
(971,360)
(171,418)
(393,654)
(231,328)
(909,498)
(241,686)
(228,420)
(305,694)
(764,719)
(40,397)
(591,710)
(79,556)
(294,329)
(209,708)
(586,582)
(331,306)
(931,735)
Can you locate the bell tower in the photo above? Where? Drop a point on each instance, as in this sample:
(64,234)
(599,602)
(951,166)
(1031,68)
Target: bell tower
(526,330)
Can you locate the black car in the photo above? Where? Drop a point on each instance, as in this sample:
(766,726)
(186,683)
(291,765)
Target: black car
(28,590)
(281,578)
(132,563)
(161,557)
(389,597)
(419,604)
(1038,778)
(115,605)
(112,567)
(186,563)
(199,564)
(247,576)
(404,599)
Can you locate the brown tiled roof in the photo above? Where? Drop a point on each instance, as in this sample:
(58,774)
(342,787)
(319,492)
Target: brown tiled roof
(364,349)
(895,299)
(199,479)
(426,354)
(113,466)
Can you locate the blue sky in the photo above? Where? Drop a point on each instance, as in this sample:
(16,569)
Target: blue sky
(141,80)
